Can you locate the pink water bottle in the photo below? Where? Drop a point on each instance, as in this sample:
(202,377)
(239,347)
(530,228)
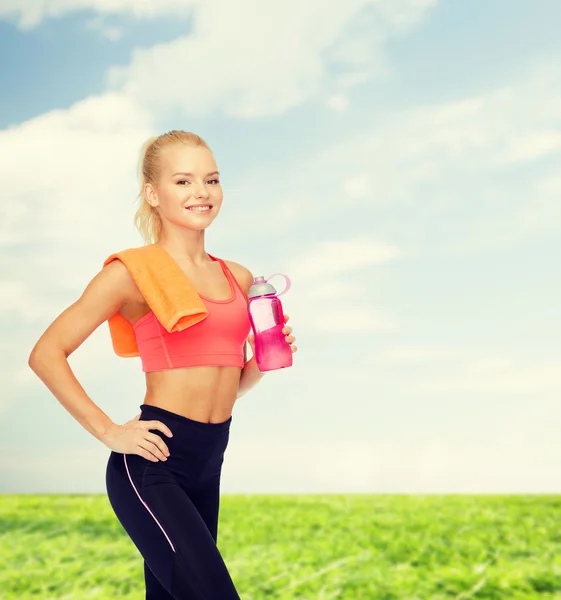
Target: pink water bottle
(272,351)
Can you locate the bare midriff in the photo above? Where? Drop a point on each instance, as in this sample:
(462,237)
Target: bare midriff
(202,393)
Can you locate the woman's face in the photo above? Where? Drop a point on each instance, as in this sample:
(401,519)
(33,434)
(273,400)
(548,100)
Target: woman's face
(188,177)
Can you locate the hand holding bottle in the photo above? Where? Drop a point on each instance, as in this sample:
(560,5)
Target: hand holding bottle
(286,330)
(271,345)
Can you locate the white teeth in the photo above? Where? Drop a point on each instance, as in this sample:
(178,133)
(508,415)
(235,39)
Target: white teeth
(199,208)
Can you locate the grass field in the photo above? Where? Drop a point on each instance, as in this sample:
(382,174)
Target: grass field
(387,547)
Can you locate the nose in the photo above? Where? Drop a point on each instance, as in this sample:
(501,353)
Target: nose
(201,192)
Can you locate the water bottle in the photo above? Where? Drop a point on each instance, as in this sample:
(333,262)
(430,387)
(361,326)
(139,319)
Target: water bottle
(272,351)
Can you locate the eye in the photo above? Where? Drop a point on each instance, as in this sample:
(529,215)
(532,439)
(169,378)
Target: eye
(183,181)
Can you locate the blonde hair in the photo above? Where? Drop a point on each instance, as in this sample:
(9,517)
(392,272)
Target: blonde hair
(146,219)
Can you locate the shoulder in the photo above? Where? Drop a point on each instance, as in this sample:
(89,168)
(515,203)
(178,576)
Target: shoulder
(117,269)
(130,254)
(243,275)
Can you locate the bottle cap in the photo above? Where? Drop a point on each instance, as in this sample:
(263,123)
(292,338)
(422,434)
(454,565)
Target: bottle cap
(260,288)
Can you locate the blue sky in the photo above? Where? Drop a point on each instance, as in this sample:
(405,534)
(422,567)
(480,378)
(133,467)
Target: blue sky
(399,159)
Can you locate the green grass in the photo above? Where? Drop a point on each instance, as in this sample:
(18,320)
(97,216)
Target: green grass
(386,547)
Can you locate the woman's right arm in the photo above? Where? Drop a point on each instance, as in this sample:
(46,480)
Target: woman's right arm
(110,289)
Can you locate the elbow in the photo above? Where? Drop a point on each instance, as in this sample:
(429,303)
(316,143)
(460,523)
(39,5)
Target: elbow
(32,360)
(40,355)
(35,358)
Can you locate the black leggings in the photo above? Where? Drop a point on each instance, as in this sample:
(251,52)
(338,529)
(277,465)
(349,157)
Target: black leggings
(170,508)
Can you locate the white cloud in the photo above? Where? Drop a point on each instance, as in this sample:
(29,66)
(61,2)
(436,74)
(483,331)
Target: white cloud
(110,32)
(465,137)
(276,58)
(337,102)
(532,145)
(413,353)
(454,177)
(338,317)
(71,180)
(69,173)
(30,13)
(443,175)
(497,375)
(369,31)
(332,258)
(14,295)
(357,187)
(331,296)
(351,78)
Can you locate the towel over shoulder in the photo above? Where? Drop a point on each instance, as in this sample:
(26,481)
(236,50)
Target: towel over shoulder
(165,288)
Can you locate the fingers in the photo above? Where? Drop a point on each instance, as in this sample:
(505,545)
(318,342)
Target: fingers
(156,440)
(145,454)
(153,448)
(154,445)
(160,426)
(289,338)
(286,317)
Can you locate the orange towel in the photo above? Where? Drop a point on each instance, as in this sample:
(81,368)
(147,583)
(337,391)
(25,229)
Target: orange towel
(165,288)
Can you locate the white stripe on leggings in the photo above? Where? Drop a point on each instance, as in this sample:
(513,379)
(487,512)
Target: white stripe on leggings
(146,505)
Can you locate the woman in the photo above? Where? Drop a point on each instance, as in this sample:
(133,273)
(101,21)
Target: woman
(163,472)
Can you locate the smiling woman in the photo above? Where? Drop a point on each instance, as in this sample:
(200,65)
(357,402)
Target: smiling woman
(184,312)
(161,183)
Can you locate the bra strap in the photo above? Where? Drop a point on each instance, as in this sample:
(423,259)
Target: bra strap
(229,273)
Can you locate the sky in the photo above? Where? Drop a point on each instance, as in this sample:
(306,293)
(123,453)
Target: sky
(399,160)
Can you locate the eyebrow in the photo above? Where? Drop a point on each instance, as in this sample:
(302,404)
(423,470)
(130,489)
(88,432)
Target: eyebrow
(193,175)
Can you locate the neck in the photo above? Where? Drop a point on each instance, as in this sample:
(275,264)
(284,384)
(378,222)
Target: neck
(188,246)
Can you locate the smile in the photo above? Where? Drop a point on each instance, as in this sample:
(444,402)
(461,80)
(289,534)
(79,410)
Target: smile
(200,209)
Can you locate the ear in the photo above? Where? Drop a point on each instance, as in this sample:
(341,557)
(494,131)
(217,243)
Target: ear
(150,195)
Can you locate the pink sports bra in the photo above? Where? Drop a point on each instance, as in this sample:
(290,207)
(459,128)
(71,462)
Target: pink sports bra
(217,340)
